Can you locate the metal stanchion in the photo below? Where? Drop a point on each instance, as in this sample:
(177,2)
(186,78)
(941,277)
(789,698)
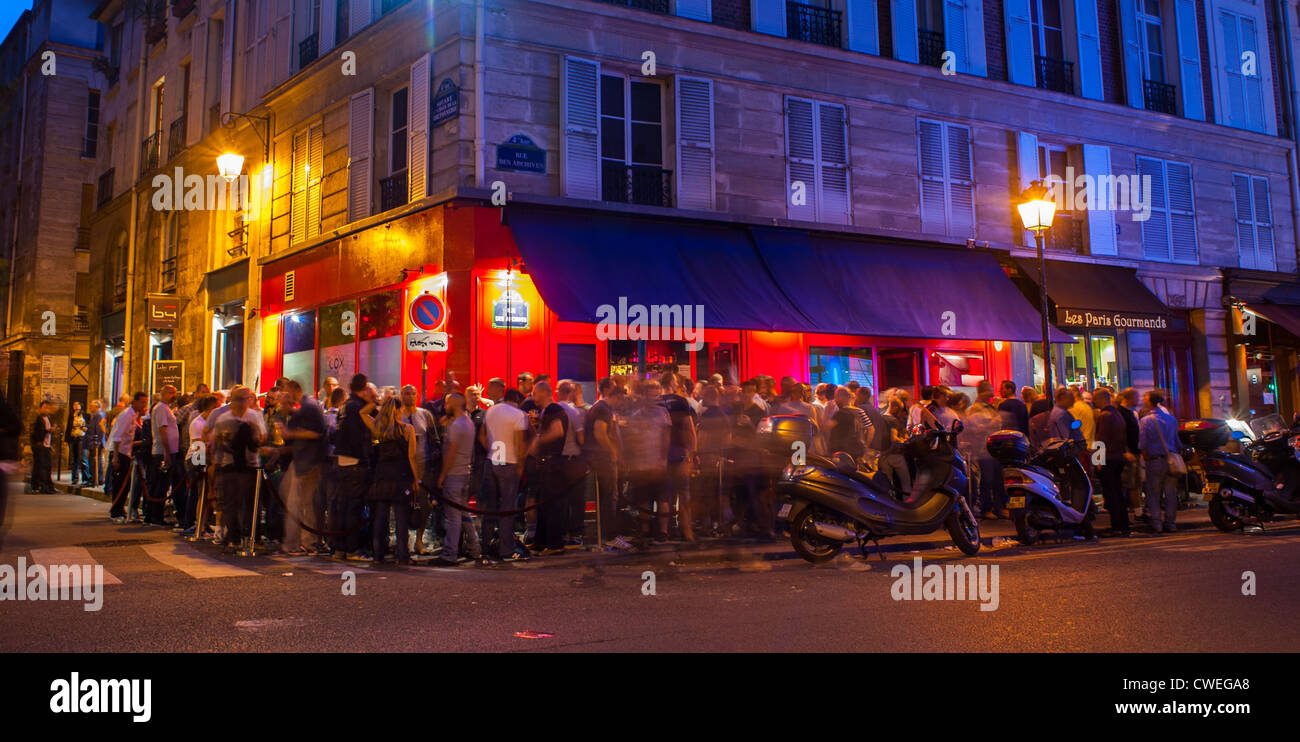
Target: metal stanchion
(251,549)
(198,517)
(600,536)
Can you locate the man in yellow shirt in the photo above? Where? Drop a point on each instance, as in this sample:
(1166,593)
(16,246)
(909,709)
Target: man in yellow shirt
(1083,412)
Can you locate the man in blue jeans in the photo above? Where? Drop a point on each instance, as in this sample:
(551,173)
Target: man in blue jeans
(502,435)
(458,452)
(352,445)
(1157,438)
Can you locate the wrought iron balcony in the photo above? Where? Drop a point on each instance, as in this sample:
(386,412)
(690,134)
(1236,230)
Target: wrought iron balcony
(1160,97)
(104,189)
(176,137)
(811,23)
(149,152)
(392,191)
(308,50)
(654,6)
(1055,74)
(929,47)
(646,185)
(238,241)
(169,271)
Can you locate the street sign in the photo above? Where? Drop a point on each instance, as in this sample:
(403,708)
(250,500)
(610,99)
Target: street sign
(428,313)
(520,153)
(426,341)
(446,103)
(163,311)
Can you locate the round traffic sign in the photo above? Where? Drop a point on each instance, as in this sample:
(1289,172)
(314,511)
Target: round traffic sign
(428,313)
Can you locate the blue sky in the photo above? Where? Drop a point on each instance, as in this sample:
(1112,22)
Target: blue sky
(9,12)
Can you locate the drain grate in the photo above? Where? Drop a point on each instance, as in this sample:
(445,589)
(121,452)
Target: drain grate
(116,542)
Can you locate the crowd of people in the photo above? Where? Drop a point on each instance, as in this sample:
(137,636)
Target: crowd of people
(501,473)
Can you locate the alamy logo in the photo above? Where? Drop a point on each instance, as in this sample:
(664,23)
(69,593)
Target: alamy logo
(1102,193)
(950,582)
(181,192)
(655,322)
(84,582)
(94,696)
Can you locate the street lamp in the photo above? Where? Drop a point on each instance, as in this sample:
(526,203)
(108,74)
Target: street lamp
(1036,212)
(229,165)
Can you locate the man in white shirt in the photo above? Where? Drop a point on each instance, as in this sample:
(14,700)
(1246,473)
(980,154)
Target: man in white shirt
(119,451)
(502,434)
(166,461)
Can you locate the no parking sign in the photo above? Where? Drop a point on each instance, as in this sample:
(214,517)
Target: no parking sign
(428,313)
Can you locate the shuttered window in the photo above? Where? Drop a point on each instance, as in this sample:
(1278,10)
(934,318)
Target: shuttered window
(1254,222)
(947,185)
(580,99)
(694,143)
(1243,94)
(418,128)
(360,136)
(304,199)
(817,161)
(1170,233)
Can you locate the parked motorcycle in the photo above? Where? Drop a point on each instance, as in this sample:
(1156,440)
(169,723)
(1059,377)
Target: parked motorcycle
(1049,491)
(830,501)
(1255,486)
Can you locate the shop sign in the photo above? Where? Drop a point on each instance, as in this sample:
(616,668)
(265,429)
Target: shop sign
(446,102)
(168,372)
(163,311)
(54,378)
(1108,320)
(521,154)
(428,342)
(510,311)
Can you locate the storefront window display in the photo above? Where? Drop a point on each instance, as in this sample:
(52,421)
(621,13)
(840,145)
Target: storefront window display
(379,352)
(958,370)
(300,348)
(647,358)
(338,341)
(840,366)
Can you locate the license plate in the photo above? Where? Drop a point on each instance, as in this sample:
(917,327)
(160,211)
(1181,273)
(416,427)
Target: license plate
(1015,503)
(784,512)
(1209,488)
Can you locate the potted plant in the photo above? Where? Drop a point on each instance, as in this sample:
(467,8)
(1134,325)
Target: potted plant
(154,15)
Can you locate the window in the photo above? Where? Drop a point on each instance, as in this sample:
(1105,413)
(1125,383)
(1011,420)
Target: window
(1066,232)
(632,142)
(1254,222)
(817,165)
(90,143)
(1170,233)
(840,366)
(379,353)
(304,201)
(299,341)
(1045,24)
(947,186)
(1150,36)
(119,266)
(338,341)
(170,253)
(397,141)
(1243,94)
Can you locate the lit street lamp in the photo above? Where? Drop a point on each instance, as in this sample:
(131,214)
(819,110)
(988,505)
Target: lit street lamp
(1036,212)
(229,165)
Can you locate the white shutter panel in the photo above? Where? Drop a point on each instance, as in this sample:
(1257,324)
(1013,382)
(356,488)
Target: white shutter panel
(801,158)
(198,109)
(833,163)
(580,112)
(298,189)
(315,174)
(1132,53)
(1245,223)
(358,16)
(1235,94)
(228,56)
(975,55)
(329,15)
(1021,66)
(1189,60)
(768,16)
(902,18)
(417,130)
(1027,170)
(1155,230)
(961,186)
(1182,214)
(361,135)
(934,196)
(694,143)
(697,9)
(1089,38)
(1265,259)
(954,32)
(863,27)
(1254,84)
(1100,213)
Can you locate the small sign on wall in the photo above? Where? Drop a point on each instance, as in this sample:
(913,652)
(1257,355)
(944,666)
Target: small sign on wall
(521,154)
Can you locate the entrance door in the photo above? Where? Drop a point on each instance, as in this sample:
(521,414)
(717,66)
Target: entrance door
(900,367)
(1171,356)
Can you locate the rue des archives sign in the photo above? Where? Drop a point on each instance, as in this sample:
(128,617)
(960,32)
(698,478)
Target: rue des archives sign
(1110,320)
(521,154)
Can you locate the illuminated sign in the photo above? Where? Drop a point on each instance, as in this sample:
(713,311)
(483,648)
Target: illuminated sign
(509,310)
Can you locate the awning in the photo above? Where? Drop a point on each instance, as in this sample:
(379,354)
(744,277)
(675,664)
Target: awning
(228,284)
(1286,316)
(857,287)
(1093,296)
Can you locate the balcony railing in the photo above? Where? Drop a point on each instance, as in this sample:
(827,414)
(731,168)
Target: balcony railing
(104,189)
(1055,74)
(1066,233)
(1160,97)
(169,271)
(392,191)
(238,241)
(80,323)
(646,185)
(929,47)
(654,6)
(811,23)
(308,50)
(176,137)
(149,152)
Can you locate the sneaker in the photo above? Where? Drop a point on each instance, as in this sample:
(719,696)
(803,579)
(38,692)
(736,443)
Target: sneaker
(573,543)
(620,543)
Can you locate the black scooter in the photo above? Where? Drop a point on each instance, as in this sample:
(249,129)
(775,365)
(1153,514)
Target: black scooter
(1249,488)
(829,502)
(1049,491)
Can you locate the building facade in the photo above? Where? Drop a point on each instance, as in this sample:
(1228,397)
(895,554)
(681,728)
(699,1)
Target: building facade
(834,184)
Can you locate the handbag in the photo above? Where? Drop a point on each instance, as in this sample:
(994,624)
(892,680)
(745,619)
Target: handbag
(1174,460)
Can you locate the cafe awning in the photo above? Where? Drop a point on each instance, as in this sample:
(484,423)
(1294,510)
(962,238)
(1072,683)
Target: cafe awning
(1099,297)
(1286,316)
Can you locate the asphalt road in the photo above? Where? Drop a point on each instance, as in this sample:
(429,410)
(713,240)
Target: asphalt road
(1180,592)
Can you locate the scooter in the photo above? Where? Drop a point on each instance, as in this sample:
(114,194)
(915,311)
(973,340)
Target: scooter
(829,502)
(1258,485)
(1049,491)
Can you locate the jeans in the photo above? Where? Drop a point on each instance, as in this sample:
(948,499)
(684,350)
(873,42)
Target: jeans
(606,473)
(300,507)
(554,494)
(1112,490)
(120,479)
(456,489)
(500,492)
(1160,483)
(164,480)
(236,501)
(42,469)
(77,460)
(94,463)
(345,508)
(379,510)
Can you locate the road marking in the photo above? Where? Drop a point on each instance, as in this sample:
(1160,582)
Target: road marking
(67,555)
(184,557)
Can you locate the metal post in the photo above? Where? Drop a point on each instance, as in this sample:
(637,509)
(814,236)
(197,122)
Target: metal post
(424,375)
(198,518)
(1047,347)
(251,549)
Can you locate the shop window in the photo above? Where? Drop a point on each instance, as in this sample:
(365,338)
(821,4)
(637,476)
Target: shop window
(337,341)
(840,366)
(379,354)
(230,360)
(900,368)
(721,359)
(1105,366)
(577,362)
(299,361)
(647,358)
(1073,360)
(961,372)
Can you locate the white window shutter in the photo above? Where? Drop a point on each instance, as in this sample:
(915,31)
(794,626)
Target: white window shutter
(934,196)
(954,33)
(1021,66)
(801,158)
(695,179)
(228,55)
(902,21)
(361,137)
(358,16)
(1133,89)
(1100,214)
(1244,213)
(698,9)
(315,174)
(417,132)
(298,189)
(1182,212)
(1265,258)
(1189,60)
(1155,230)
(580,113)
(1255,101)
(961,181)
(1089,39)
(328,25)
(976,63)
(1027,171)
(197,112)
(863,26)
(833,203)
(768,16)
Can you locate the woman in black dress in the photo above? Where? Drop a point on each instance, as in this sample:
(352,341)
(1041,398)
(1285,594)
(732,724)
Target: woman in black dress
(394,482)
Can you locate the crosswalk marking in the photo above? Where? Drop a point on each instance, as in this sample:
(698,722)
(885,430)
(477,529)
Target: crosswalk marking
(185,558)
(68,555)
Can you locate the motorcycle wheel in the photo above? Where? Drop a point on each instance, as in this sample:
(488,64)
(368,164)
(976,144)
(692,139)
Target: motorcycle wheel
(1027,532)
(808,544)
(964,528)
(1221,518)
